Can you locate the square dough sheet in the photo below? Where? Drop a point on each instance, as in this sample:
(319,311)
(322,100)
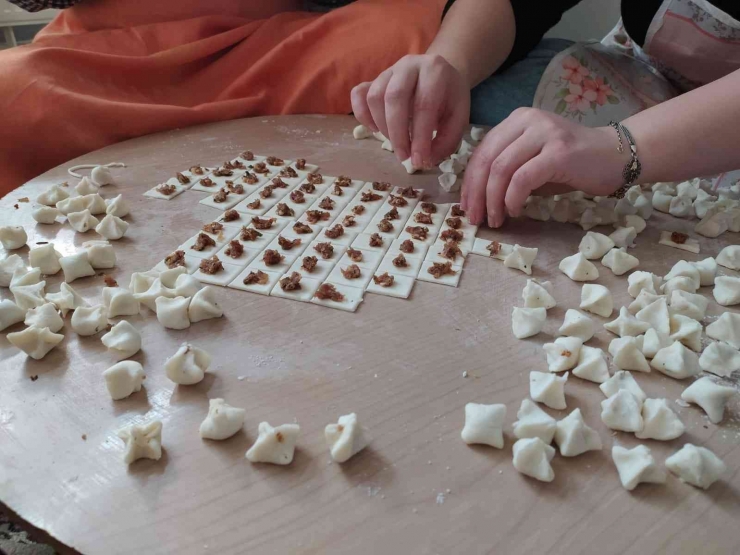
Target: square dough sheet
(320,272)
(352,299)
(291,254)
(398,227)
(243,220)
(223,278)
(480,247)
(433,254)
(362,242)
(260,289)
(420,249)
(428,242)
(277,226)
(370,260)
(231,201)
(401,288)
(412,270)
(243,208)
(339,250)
(361,220)
(191,264)
(345,239)
(450,280)
(258,244)
(304,294)
(259,264)
(247,256)
(179,189)
(338,278)
(208,251)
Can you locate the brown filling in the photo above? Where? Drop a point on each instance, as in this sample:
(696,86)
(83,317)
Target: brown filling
(309,263)
(308,188)
(457,211)
(235,165)
(357,210)
(679,238)
(334,232)
(375,240)
(439,269)
(351,272)
(381,185)
(202,242)
(279,183)
(274,161)
(344,181)
(230,215)
(250,178)
(422,218)
(315,216)
(284,210)
(247,155)
(109,281)
(384,280)
(207,182)
(298,197)
(454,223)
(369,196)
(221,196)
(407,246)
(409,192)
(223,172)
(494,247)
(291,283)
(250,234)
(429,207)
(302,228)
(327,292)
(260,167)
(326,203)
(392,214)
(259,223)
(237,189)
(288,244)
(400,261)
(315,178)
(354,254)
(288,172)
(337,190)
(397,201)
(235,249)
(451,235)
(272,257)
(451,250)
(166,189)
(300,163)
(385,226)
(418,232)
(326,250)
(255,204)
(184,179)
(211,265)
(266,191)
(175,259)
(349,221)
(258,277)
(197,170)
(214,227)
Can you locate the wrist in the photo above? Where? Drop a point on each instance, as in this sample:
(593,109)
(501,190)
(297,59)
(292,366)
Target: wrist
(459,64)
(611,160)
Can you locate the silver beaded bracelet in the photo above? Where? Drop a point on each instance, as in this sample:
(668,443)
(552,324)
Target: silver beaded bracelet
(632,169)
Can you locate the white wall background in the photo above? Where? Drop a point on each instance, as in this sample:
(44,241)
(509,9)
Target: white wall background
(591,19)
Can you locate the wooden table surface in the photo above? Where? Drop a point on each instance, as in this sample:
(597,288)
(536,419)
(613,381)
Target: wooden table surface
(398,364)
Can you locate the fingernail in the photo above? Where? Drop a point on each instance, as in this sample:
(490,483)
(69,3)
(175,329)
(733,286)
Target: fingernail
(417,161)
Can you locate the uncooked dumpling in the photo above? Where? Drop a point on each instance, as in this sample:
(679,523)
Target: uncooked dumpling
(623,237)
(346,438)
(45,258)
(25,276)
(89,320)
(361,132)
(521,258)
(141,281)
(681,283)
(188,365)
(578,268)
(727,290)
(687,331)
(563,353)
(592,365)
(123,340)
(143,441)
(387,145)
(643,299)
(76,266)
(173,313)
(662,201)
(8,266)
(595,245)
(729,257)
(223,420)
(656,315)
(169,277)
(620,261)
(697,466)
(688,304)
(719,358)
(710,396)
(72,205)
(45,316)
(577,324)
(100,254)
(274,445)
(714,224)
(682,207)
(574,437)
(676,361)
(484,424)
(29,296)
(643,281)
(534,422)
(659,421)
(532,458)
(186,285)
(622,411)
(35,342)
(538,208)
(597,299)
(548,389)
(52,195)
(10,314)
(627,354)
(409,166)
(726,328)
(13,237)
(203,305)
(116,206)
(66,299)
(112,227)
(119,302)
(627,325)
(685,269)
(86,187)
(654,342)
(538,295)
(123,379)
(707,271)
(45,214)
(82,221)
(156,290)
(636,466)
(101,176)
(526,322)
(634,221)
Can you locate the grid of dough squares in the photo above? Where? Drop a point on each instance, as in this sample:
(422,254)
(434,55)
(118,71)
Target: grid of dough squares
(372,229)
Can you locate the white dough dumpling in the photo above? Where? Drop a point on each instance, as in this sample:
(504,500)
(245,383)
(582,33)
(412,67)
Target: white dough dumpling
(173,313)
(697,466)
(623,237)
(688,304)
(627,355)
(548,389)
(223,420)
(13,237)
(636,466)
(100,254)
(82,221)
(66,299)
(45,258)
(187,286)
(188,365)
(45,214)
(592,365)
(45,316)
(116,206)
(659,421)
(112,227)
(123,379)
(643,281)
(532,458)
(686,330)
(25,276)
(620,261)
(484,424)
(76,266)
(274,445)
(657,316)
(101,176)
(574,437)
(652,342)
(534,422)
(346,438)
(707,271)
(710,396)
(10,314)
(8,266)
(726,328)
(676,361)
(622,411)
(203,305)
(578,268)
(626,325)
(537,295)
(597,299)
(687,270)
(119,301)
(86,187)
(727,290)
(527,322)
(35,342)
(577,324)
(595,245)
(52,195)
(29,296)
(521,258)
(123,340)
(89,320)
(142,441)
(729,257)
(563,353)
(719,358)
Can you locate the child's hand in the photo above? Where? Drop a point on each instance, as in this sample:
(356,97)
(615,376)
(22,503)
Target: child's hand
(532,148)
(413,98)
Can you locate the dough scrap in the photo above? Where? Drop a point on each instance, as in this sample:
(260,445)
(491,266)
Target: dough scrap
(537,295)
(35,342)
(676,361)
(44,316)
(626,325)
(622,411)
(484,425)
(534,422)
(697,466)
(346,438)
(112,227)
(526,322)
(222,421)
(657,316)
(532,458)
(521,258)
(636,466)
(66,299)
(188,365)
(727,290)
(142,441)
(719,358)
(578,268)
(274,445)
(548,389)
(577,324)
(13,237)
(628,355)
(659,421)
(45,214)
(203,305)
(10,314)
(726,328)
(89,320)
(76,266)
(620,261)
(563,353)
(574,437)
(686,330)
(119,301)
(123,340)
(172,313)
(597,299)
(45,258)
(592,365)
(123,379)
(710,396)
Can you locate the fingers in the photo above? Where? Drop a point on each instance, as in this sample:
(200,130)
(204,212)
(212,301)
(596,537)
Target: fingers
(360,107)
(450,131)
(530,176)
(376,100)
(503,168)
(428,102)
(399,96)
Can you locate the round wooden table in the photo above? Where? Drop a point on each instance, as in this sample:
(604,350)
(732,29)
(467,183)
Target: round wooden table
(399,364)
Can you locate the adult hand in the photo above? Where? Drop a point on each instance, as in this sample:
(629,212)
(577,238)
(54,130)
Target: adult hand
(409,101)
(532,148)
